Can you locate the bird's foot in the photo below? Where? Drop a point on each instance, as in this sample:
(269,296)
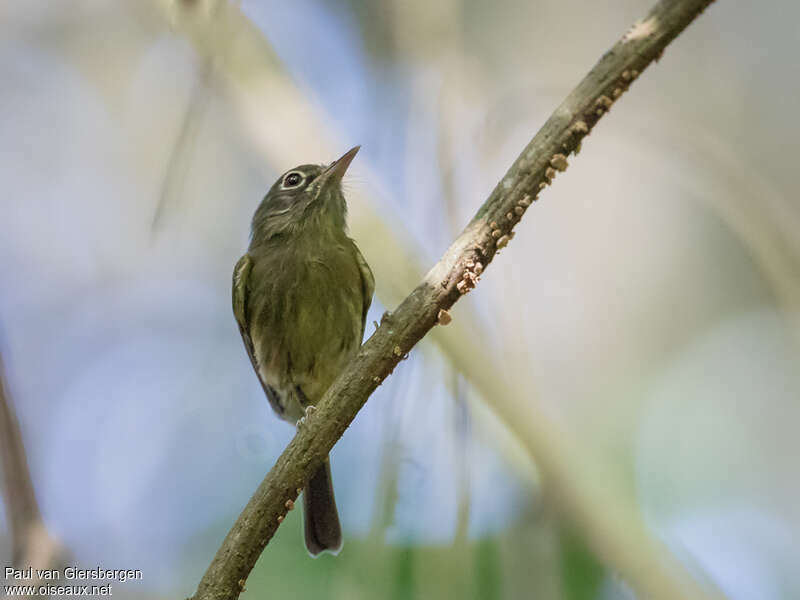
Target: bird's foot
(310,410)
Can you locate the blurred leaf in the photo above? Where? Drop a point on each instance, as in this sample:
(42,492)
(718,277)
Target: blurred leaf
(581,573)
(404,574)
(488,571)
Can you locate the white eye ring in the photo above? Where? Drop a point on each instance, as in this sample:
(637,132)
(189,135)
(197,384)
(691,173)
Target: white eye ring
(292,180)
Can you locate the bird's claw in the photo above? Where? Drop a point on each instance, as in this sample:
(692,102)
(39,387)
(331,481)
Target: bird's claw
(310,410)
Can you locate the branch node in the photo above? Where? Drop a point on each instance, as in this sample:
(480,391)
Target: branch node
(559,162)
(580,128)
(604,102)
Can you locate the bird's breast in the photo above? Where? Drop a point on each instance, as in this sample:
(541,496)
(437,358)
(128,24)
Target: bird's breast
(305,312)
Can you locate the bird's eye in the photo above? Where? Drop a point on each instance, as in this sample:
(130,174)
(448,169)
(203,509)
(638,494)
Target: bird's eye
(293,179)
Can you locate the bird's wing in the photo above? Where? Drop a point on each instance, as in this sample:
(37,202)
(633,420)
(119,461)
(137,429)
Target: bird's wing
(241,274)
(367,286)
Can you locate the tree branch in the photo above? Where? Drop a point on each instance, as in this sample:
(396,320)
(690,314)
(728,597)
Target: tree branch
(31,544)
(21,506)
(454,275)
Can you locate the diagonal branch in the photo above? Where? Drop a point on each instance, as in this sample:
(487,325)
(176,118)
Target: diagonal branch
(31,543)
(454,275)
(21,506)
(179,157)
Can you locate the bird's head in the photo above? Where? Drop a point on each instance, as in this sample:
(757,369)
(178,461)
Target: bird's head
(302,196)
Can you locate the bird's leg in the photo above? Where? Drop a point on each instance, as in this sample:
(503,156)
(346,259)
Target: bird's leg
(309,408)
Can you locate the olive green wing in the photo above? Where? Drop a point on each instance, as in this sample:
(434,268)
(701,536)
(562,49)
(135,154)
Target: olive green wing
(241,276)
(367,286)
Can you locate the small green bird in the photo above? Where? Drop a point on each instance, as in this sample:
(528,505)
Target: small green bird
(300,296)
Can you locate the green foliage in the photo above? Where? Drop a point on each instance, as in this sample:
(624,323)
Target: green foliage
(581,573)
(488,571)
(369,568)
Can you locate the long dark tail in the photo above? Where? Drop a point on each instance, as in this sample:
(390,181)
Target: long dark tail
(322,528)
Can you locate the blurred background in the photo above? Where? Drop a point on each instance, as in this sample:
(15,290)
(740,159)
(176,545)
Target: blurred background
(623,383)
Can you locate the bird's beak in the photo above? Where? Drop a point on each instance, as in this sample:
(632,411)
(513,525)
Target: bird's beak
(336,170)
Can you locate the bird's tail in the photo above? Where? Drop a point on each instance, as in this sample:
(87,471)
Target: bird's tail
(322,528)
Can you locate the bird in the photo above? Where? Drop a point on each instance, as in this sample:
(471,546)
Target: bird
(301,294)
